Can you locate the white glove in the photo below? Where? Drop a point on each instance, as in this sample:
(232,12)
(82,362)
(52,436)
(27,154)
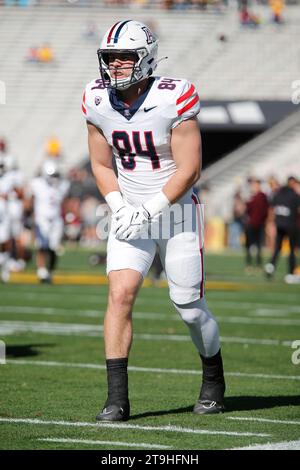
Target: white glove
(130,222)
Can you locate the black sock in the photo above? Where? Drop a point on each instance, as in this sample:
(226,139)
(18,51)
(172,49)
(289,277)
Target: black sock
(213,383)
(52,260)
(117,381)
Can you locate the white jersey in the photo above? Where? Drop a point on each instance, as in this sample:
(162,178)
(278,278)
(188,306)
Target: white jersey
(6,186)
(15,205)
(140,135)
(48,198)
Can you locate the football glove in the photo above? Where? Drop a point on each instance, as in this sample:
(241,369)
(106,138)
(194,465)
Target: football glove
(129,222)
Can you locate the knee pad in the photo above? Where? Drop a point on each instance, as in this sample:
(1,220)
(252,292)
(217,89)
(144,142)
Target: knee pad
(203,327)
(194,311)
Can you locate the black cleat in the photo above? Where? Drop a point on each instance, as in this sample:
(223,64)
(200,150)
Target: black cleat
(211,407)
(114,413)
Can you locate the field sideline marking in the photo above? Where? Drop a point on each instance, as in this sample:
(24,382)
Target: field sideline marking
(263,420)
(154,370)
(285,445)
(118,426)
(100,279)
(113,443)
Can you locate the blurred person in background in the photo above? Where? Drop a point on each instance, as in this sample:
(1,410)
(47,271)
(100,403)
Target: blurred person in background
(255,218)
(277,7)
(247,18)
(272,187)
(5,241)
(53,147)
(11,188)
(89,221)
(236,226)
(16,214)
(48,192)
(45,54)
(286,207)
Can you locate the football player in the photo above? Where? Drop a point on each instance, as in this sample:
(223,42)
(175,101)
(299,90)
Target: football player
(48,192)
(149,125)
(6,186)
(16,214)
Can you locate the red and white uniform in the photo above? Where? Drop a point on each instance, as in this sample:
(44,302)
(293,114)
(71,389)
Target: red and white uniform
(140,137)
(141,144)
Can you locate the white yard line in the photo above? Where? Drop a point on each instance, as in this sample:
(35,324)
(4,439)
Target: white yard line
(110,443)
(88,330)
(285,445)
(154,370)
(273,296)
(263,420)
(118,426)
(34,310)
(9,327)
(259,321)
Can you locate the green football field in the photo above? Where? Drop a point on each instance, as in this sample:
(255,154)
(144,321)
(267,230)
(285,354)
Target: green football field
(54,381)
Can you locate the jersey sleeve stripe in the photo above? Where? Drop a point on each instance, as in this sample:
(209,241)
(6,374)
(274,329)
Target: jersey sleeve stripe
(188,106)
(83,104)
(186,95)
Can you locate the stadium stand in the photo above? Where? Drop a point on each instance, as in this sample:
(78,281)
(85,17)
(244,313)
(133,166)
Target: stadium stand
(44,99)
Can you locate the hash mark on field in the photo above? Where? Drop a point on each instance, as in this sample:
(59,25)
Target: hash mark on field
(118,426)
(147,369)
(113,443)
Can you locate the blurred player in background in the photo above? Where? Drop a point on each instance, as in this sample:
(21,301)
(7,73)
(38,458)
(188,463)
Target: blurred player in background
(286,208)
(5,245)
(48,192)
(16,215)
(149,124)
(11,214)
(256,215)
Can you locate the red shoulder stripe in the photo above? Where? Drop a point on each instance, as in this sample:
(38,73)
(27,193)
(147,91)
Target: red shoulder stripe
(188,106)
(186,95)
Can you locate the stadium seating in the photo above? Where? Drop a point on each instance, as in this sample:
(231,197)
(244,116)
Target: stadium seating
(44,100)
